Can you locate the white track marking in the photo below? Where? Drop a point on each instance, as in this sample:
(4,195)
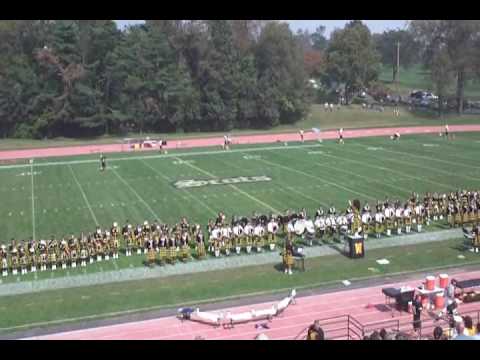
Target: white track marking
(84,196)
(236,189)
(167,179)
(33,205)
(318,178)
(164,156)
(137,195)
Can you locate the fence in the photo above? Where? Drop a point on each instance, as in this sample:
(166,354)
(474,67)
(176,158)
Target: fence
(346,327)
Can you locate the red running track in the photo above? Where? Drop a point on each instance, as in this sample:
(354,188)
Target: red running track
(365,304)
(218,141)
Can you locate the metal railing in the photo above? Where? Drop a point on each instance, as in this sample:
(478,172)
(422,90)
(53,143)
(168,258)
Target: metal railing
(346,327)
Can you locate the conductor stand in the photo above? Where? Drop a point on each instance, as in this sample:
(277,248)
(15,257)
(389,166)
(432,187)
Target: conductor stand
(355,240)
(356,246)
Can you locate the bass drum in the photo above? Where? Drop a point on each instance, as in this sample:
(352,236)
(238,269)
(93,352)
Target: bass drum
(310,227)
(272,227)
(299,227)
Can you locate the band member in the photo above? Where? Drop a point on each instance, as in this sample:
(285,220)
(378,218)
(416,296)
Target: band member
(43,250)
(200,244)
(272,229)
(14,257)
(407,217)
(22,255)
(288,257)
(259,233)
(64,254)
(389,213)
(379,221)
(419,210)
(366,220)
(476,238)
(320,226)
(73,247)
(107,244)
(32,255)
(343,225)
(138,240)
(52,253)
(171,249)
(249,233)
(398,223)
(83,251)
(150,253)
(4,259)
(184,246)
(103,162)
(301,135)
(238,237)
(115,233)
(91,248)
(215,238)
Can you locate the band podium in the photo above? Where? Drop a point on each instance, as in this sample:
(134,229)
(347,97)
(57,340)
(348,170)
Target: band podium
(356,247)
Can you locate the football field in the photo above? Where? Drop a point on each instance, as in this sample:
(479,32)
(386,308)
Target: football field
(61,196)
(70,195)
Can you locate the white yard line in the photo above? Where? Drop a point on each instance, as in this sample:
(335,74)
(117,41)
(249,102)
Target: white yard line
(287,189)
(138,196)
(427,158)
(163,156)
(33,204)
(317,178)
(407,191)
(392,171)
(235,188)
(84,196)
(167,179)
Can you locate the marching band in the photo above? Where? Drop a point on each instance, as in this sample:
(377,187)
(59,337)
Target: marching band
(164,244)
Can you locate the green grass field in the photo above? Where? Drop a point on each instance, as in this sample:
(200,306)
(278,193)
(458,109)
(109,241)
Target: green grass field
(416,78)
(67,195)
(70,195)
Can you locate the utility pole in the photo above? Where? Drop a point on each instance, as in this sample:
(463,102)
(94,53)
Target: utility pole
(398,60)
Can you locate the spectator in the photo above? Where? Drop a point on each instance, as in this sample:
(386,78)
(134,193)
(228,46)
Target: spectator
(469,329)
(383,334)
(401,336)
(417,313)
(438,334)
(315,332)
(375,336)
(478,328)
(460,328)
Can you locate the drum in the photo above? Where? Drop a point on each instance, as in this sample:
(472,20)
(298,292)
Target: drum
(443,280)
(310,227)
(430,283)
(439,302)
(299,227)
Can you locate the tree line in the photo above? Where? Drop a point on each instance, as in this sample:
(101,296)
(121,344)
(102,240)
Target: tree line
(87,78)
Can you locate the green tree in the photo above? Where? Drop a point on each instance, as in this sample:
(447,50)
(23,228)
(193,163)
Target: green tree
(281,76)
(352,58)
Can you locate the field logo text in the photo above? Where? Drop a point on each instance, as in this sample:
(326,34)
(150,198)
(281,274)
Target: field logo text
(182,184)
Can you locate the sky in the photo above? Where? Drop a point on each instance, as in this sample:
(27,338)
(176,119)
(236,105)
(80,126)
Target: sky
(376,26)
